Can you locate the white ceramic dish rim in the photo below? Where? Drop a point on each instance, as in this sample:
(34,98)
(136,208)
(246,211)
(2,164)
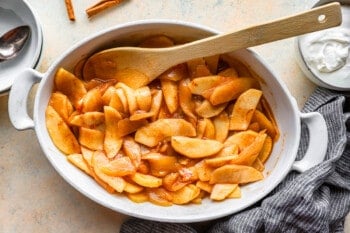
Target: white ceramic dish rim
(189,213)
(36,40)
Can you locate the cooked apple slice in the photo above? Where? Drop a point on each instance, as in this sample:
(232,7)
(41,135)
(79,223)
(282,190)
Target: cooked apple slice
(92,101)
(203,170)
(221,160)
(209,132)
(207,110)
(87,155)
(112,141)
(138,197)
(170,92)
(266,149)
(264,123)
(235,174)
(119,166)
(212,63)
(185,99)
(70,85)
(132,188)
(221,191)
(133,150)
(140,115)
(60,133)
(160,164)
(200,128)
(78,161)
(249,154)
(126,126)
(91,138)
(61,104)
(175,73)
(186,194)
(241,139)
(229,72)
(99,160)
(197,68)
(143,98)
(205,186)
(118,101)
(130,96)
(88,119)
(236,193)
(221,123)
(195,147)
(244,108)
(153,133)
(173,182)
(157,99)
(230,90)
(202,84)
(146,180)
(160,196)
(107,95)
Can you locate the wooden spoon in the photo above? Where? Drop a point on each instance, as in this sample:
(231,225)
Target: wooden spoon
(154,61)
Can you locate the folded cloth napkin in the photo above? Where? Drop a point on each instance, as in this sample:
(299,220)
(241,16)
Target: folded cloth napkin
(314,201)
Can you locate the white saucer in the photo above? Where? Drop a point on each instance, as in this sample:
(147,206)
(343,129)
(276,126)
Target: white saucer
(15,13)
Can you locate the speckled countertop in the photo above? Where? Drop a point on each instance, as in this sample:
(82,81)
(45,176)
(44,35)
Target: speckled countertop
(33,197)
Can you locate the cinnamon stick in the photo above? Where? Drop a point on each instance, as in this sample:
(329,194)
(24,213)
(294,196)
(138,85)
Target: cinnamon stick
(101,6)
(70,10)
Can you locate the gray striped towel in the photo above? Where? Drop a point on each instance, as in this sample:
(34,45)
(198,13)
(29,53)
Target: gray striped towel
(314,201)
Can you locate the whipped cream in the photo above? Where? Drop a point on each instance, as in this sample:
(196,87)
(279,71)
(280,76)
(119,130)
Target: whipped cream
(328,51)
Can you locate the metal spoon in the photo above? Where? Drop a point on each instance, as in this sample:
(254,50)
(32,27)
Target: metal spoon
(153,62)
(13,41)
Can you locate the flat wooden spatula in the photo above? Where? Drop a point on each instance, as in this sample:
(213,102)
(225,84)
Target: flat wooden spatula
(154,61)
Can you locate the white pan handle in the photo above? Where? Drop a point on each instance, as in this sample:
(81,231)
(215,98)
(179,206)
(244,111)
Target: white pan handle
(18,98)
(318,141)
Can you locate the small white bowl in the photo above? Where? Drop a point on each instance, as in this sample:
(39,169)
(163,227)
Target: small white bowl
(338,79)
(284,106)
(12,14)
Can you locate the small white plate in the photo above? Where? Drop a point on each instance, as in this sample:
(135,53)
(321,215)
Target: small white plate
(15,13)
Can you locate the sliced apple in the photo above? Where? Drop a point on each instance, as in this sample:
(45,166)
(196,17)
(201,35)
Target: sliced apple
(130,96)
(119,166)
(92,101)
(99,160)
(70,85)
(153,133)
(235,174)
(231,90)
(221,191)
(185,99)
(61,104)
(244,108)
(91,138)
(195,147)
(88,119)
(186,194)
(202,84)
(207,110)
(112,141)
(78,161)
(133,150)
(170,92)
(143,98)
(221,123)
(60,133)
(145,180)
(175,73)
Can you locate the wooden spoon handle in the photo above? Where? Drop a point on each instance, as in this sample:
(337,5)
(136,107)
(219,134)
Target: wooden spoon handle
(319,18)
